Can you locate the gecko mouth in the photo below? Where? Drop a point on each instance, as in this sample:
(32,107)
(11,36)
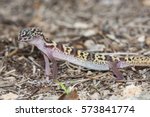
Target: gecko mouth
(19,38)
(23,39)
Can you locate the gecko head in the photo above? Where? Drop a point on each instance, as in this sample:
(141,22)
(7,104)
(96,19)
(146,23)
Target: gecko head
(29,34)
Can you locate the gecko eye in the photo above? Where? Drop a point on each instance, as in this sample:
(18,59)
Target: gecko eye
(24,35)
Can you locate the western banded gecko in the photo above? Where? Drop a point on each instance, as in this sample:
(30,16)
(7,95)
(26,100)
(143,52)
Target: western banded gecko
(97,61)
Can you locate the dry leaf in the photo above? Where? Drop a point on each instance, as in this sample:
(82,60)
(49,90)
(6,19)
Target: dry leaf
(73,95)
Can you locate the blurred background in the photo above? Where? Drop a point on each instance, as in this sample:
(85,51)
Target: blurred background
(76,17)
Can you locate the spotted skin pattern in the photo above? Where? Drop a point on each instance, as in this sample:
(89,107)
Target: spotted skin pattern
(138,60)
(99,58)
(95,61)
(67,50)
(27,34)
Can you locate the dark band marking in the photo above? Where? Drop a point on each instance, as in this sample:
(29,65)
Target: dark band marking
(51,44)
(135,60)
(60,47)
(67,50)
(91,56)
(99,58)
(83,55)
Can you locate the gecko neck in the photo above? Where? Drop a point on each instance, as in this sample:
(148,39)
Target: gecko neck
(39,42)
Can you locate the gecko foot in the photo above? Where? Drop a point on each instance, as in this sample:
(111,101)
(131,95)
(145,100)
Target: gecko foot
(46,81)
(48,78)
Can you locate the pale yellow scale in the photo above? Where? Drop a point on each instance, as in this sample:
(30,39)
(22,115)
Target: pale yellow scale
(99,58)
(114,58)
(53,43)
(67,50)
(83,55)
(138,60)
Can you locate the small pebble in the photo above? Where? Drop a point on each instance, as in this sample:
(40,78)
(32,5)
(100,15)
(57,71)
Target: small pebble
(81,25)
(141,39)
(90,32)
(147,41)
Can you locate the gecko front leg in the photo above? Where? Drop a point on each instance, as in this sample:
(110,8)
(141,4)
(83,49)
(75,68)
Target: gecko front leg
(54,68)
(47,67)
(48,71)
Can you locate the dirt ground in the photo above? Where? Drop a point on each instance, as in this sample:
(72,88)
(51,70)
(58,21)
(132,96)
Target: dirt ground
(93,25)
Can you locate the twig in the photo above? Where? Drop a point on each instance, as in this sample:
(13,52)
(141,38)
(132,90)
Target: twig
(12,53)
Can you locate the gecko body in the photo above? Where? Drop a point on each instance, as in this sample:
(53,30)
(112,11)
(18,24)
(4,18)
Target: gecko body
(95,61)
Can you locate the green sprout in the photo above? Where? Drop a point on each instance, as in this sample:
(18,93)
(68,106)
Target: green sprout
(66,89)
